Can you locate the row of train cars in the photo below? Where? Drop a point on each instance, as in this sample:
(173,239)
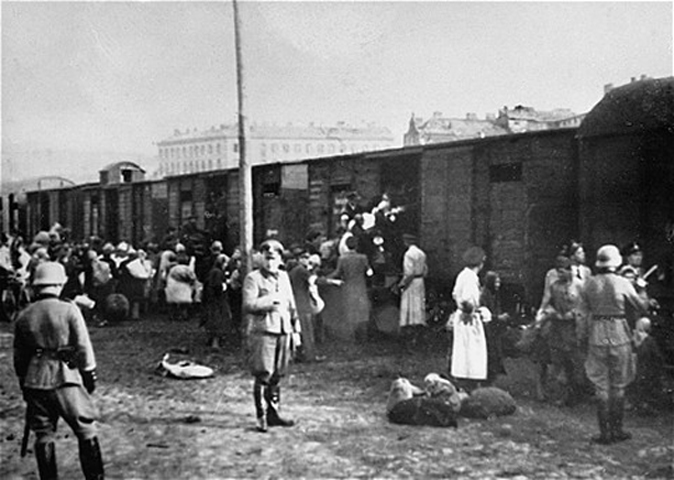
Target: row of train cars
(519,196)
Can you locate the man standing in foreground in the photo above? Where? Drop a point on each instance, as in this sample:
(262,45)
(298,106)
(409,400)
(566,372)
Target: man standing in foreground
(272,320)
(54,360)
(609,341)
(413,290)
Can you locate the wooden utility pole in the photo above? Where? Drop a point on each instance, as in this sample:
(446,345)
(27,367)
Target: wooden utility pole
(245,174)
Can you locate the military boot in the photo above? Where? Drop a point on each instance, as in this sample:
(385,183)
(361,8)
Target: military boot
(45,453)
(91,459)
(259,391)
(273,398)
(617,412)
(604,437)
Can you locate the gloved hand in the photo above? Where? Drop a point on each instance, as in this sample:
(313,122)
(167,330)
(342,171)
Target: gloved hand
(89,380)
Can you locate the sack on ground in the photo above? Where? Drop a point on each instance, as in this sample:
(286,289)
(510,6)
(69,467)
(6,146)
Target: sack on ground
(488,402)
(184,369)
(423,411)
(116,308)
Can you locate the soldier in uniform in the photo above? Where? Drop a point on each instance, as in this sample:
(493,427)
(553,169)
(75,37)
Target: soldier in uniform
(609,364)
(272,320)
(54,361)
(632,268)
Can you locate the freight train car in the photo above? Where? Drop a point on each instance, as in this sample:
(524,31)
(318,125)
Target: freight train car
(627,175)
(518,196)
(515,196)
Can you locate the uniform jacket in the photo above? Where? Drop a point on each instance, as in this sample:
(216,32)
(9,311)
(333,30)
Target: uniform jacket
(260,290)
(50,324)
(608,295)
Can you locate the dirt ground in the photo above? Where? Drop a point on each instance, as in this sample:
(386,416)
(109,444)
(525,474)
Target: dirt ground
(153,427)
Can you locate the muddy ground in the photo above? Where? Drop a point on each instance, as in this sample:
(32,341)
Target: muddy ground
(153,427)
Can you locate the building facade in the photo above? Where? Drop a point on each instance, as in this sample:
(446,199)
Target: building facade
(438,129)
(218,148)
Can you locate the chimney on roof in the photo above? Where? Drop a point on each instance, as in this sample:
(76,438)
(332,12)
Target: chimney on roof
(644,77)
(437,114)
(471,116)
(490,116)
(634,79)
(607,88)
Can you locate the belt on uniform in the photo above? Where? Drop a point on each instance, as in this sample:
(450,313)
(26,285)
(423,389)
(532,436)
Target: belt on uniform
(608,317)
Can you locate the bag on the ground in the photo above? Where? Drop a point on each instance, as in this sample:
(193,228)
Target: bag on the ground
(487,402)
(184,369)
(116,308)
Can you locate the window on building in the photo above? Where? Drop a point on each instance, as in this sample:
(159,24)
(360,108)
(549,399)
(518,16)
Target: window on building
(235,147)
(203,149)
(298,148)
(217,147)
(184,152)
(127,175)
(286,148)
(320,148)
(210,164)
(331,148)
(210,148)
(308,148)
(219,163)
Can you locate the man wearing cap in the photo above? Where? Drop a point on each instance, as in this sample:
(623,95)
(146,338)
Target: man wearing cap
(54,361)
(633,256)
(609,364)
(413,291)
(272,320)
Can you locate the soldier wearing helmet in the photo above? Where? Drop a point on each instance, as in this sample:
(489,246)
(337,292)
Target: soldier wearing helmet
(54,361)
(609,364)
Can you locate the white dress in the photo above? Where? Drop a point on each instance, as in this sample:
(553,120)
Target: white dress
(413,298)
(469,349)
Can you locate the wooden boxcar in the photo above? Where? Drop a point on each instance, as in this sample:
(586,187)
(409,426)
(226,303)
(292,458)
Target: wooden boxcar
(518,196)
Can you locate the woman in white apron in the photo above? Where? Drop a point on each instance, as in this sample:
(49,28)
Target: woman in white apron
(469,346)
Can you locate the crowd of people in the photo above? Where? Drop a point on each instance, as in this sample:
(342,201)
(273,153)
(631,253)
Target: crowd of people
(593,329)
(594,325)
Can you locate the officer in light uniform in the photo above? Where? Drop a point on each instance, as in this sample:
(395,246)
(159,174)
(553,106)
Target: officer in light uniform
(272,320)
(54,361)
(609,364)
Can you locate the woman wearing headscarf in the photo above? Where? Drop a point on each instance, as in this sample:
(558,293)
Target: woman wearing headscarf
(180,284)
(134,273)
(609,364)
(469,345)
(217,314)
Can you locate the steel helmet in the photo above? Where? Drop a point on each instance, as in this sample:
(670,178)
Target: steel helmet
(608,256)
(50,273)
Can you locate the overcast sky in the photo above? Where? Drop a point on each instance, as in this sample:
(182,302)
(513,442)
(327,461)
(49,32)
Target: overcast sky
(120,76)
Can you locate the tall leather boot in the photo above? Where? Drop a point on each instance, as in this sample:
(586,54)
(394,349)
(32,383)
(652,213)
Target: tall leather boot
(617,412)
(273,398)
(604,437)
(91,459)
(259,391)
(45,453)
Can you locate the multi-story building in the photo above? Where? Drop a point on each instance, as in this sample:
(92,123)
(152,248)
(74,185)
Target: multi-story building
(218,147)
(439,129)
